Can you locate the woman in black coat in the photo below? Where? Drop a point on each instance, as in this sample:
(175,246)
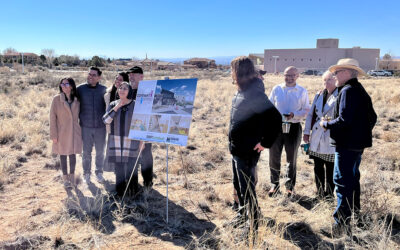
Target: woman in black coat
(254,125)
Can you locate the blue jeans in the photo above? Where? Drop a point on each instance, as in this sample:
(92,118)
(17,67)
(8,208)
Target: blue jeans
(93,137)
(346,177)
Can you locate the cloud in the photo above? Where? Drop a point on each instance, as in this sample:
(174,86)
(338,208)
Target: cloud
(158,86)
(183,87)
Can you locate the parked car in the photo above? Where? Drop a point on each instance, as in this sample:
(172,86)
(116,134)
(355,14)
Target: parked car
(379,73)
(312,72)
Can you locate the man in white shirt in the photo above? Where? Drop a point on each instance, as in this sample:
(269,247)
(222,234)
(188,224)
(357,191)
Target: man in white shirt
(292,102)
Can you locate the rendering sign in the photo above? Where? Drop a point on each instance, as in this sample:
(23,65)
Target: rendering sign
(163,111)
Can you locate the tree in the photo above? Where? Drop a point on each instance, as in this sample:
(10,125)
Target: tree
(97,61)
(49,54)
(56,62)
(387,56)
(9,50)
(387,61)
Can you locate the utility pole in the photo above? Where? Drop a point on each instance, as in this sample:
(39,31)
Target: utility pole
(376,63)
(22,56)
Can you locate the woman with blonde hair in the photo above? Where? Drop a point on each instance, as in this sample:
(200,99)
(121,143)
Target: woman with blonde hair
(320,149)
(65,131)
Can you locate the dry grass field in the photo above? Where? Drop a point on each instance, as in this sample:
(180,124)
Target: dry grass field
(37,212)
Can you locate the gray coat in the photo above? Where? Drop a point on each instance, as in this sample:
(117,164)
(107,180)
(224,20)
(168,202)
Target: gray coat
(92,106)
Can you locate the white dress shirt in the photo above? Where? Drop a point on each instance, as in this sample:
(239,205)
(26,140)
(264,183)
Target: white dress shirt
(291,99)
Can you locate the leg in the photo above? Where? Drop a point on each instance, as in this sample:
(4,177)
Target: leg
(244,169)
(120,183)
(72,163)
(146,163)
(346,179)
(292,143)
(88,141)
(319,174)
(63,163)
(133,184)
(275,153)
(330,187)
(99,144)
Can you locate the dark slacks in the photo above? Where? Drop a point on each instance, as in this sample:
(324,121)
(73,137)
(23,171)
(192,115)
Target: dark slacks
(347,180)
(64,166)
(243,182)
(146,163)
(320,172)
(291,141)
(123,172)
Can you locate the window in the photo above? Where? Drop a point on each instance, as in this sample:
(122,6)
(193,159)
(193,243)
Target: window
(310,59)
(319,59)
(301,59)
(285,59)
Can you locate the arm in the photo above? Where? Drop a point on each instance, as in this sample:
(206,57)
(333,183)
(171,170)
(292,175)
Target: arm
(347,110)
(305,106)
(310,114)
(53,122)
(110,113)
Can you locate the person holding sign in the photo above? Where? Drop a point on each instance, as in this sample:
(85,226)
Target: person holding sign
(146,160)
(122,151)
(254,125)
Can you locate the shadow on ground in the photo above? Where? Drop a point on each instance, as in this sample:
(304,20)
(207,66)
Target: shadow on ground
(147,213)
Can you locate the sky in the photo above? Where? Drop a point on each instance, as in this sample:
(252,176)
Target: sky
(206,28)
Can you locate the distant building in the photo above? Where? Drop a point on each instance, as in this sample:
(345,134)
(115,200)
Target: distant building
(16,56)
(392,64)
(258,59)
(201,63)
(166,65)
(326,53)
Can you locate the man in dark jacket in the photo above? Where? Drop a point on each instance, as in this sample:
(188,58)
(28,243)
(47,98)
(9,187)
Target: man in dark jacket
(92,109)
(351,132)
(146,158)
(254,125)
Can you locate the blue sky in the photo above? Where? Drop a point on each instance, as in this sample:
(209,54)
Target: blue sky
(169,29)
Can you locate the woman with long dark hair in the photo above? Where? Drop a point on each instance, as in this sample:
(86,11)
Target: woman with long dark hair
(111,93)
(121,150)
(65,131)
(254,125)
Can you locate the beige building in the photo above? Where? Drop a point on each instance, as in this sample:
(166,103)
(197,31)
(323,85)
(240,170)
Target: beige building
(326,53)
(392,65)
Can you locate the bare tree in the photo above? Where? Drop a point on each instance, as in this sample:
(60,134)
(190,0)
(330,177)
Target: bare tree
(9,50)
(387,61)
(49,54)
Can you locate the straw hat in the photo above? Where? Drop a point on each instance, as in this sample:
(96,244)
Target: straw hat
(347,63)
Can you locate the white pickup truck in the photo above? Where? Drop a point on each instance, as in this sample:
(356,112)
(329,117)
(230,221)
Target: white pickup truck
(379,73)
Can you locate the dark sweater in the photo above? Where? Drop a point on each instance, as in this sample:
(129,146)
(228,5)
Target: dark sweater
(354,118)
(253,119)
(92,106)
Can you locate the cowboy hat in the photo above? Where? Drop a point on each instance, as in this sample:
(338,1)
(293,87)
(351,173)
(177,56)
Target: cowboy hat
(347,63)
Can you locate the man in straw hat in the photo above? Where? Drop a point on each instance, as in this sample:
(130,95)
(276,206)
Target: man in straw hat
(350,132)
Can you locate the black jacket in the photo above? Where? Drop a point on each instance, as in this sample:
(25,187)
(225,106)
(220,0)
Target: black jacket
(92,106)
(253,119)
(354,118)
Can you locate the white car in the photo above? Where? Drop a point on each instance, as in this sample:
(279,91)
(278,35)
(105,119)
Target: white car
(379,73)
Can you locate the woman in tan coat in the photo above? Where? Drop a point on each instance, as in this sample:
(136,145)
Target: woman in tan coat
(65,131)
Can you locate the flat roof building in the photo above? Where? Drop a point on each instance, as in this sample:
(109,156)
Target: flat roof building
(326,53)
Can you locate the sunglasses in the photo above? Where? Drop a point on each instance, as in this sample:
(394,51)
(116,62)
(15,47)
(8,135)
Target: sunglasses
(65,84)
(338,71)
(123,88)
